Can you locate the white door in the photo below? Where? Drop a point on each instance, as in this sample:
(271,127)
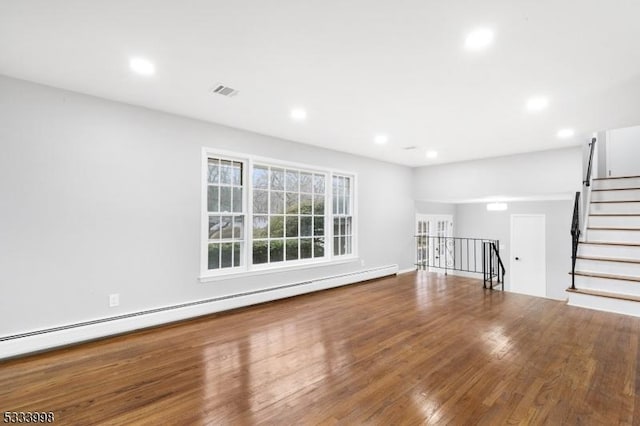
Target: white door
(528,262)
(623,152)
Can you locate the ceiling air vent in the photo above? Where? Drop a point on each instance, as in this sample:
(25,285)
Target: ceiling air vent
(409,148)
(221,89)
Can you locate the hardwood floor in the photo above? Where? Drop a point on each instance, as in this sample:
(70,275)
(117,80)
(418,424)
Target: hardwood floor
(413,349)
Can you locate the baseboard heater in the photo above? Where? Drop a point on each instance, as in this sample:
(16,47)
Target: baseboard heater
(49,338)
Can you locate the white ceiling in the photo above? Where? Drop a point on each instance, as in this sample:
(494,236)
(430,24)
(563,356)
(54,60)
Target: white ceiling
(359,67)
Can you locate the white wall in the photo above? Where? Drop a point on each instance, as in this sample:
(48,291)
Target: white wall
(428,207)
(99,197)
(535,175)
(600,169)
(473,220)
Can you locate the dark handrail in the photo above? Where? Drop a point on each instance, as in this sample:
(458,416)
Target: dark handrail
(501,265)
(493,265)
(449,253)
(575,237)
(476,255)
(587,180)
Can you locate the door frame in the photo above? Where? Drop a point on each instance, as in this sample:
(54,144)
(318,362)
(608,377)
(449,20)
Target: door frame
(511,245)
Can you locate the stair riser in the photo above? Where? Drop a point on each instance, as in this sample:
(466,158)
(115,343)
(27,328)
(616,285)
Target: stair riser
(604,304)
(608,285)
(615,221)
(603,267)
(620,195)
(595,235)
(617,183)
(595,250)
(615,208)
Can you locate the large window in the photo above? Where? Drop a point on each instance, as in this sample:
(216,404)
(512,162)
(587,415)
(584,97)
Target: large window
(263,214)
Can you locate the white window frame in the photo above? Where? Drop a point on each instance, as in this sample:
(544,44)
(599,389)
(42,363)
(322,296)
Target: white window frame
(248,269)
(352,213)
(204,259)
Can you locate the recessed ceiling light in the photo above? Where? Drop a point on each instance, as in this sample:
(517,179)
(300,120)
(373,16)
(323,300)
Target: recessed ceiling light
(381,139)
(566,133)
(142,66)
(496,207)
(537,103)
(432,154)
(479,39)
(298,114)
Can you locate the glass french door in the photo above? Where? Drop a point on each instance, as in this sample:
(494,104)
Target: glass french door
(434,245)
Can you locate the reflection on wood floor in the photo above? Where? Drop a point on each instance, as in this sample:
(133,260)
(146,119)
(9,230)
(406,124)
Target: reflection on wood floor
(417,348)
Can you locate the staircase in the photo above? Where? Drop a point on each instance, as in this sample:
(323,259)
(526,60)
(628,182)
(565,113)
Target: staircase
(607,271)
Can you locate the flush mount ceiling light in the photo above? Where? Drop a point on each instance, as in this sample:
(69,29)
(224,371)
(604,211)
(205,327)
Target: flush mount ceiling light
(432,154)
(298,114)
(142,66)
(537,103)
(496,207)
(381,139)
(566,133)
(479,39)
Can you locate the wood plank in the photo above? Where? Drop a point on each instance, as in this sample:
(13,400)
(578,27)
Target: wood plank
(417,348)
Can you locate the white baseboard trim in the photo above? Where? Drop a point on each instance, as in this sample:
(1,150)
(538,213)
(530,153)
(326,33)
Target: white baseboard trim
(406,271)
(40,340)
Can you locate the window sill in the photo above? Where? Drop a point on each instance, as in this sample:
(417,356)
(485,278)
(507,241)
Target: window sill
(205,278)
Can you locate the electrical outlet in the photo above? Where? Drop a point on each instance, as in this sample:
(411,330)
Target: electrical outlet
(114,300)
(361,262)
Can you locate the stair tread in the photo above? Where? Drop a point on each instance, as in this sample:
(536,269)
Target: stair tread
(615,202)
(614,214)
(617,177)
(613,228)
(607,276)
(610,243)
(610,295)
(609,259)
(631,188)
